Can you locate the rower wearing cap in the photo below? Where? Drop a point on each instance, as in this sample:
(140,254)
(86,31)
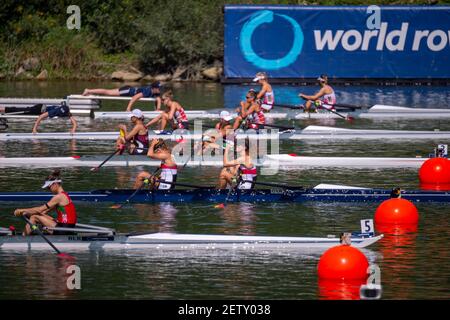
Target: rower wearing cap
(208,144)
(325,97)
(251,112)
(61,202)
(159,150)
(138,136)
(265,95)
(44,112)
(224,125)
(243,168)
(174,114)
(136,93)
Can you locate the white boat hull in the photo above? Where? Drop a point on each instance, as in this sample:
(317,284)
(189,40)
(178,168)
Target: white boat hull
(169,241)
(310,133)
(284,161)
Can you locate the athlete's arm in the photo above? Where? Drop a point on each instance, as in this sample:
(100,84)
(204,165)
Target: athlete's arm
(135,98)
(173,108)
(158,102)
(45,208)
(74,124)
(38,121)
(319,94)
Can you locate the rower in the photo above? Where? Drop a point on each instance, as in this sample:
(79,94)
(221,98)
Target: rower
(252,113)
(324,98)
(207,146)
(61,202)
(138,136)
(224,125)
(174,114)
(136,93)
(265,95)
(44,111)
(159,150)
(242,167)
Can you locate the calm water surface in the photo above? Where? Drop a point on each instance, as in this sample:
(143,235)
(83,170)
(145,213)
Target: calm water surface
(414,262)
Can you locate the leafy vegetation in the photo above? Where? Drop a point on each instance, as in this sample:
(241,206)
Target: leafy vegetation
(155,36)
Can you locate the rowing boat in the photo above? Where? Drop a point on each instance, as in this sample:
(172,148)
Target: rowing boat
(283,161)
(380,112)
(320,193)
(375,112)
(93,238)
(308,133)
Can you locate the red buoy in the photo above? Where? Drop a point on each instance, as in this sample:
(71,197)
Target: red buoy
(396,211)
(435,171)
(343,262)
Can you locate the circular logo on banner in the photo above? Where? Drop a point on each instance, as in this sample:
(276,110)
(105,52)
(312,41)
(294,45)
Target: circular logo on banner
(251,56)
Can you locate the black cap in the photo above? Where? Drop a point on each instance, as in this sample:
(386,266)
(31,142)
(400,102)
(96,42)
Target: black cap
(156,84)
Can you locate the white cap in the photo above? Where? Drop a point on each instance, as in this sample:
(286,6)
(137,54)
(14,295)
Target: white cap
(225,115)
(136,113)
(260,76)
(206,138)
(48,183)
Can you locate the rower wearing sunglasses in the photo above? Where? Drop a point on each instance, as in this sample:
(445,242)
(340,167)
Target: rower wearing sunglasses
(61,202)
(251,112)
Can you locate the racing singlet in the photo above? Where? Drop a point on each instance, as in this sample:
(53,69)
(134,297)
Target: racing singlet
(168,173)
(181,119)
(66,214)
(247,174)
(268,101)
(328,100)
(141,142)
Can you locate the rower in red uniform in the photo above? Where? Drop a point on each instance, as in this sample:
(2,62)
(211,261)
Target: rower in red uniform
(61,202)
(253,113)
(159,150)
(242,169)
(173,114)
(325,97)
(138,136)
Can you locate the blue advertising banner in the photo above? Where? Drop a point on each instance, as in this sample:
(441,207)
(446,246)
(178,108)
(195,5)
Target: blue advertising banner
(344,42)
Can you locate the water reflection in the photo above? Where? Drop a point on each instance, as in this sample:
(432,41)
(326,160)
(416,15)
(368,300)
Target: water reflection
(398,248)
(238,219)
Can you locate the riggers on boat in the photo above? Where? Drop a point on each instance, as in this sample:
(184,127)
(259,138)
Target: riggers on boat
(88,237)
(310,133)
(321,193)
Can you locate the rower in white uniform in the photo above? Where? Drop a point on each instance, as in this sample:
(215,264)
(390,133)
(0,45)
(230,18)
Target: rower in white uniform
(241,170)
(324,98)
(159,150)
(265,96)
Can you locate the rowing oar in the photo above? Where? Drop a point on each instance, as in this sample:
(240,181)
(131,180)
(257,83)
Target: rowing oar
(284,186)
(122,134)
(127,201)
(106,160)
(349,118)
(277,126)
(288,106)
(36,228)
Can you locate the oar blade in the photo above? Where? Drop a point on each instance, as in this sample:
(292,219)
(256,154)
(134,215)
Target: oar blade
(116,206)
(220,206)
(65,256)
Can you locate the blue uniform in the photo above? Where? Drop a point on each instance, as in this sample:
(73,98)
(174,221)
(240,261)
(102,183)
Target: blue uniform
(58,111)
(128,91)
